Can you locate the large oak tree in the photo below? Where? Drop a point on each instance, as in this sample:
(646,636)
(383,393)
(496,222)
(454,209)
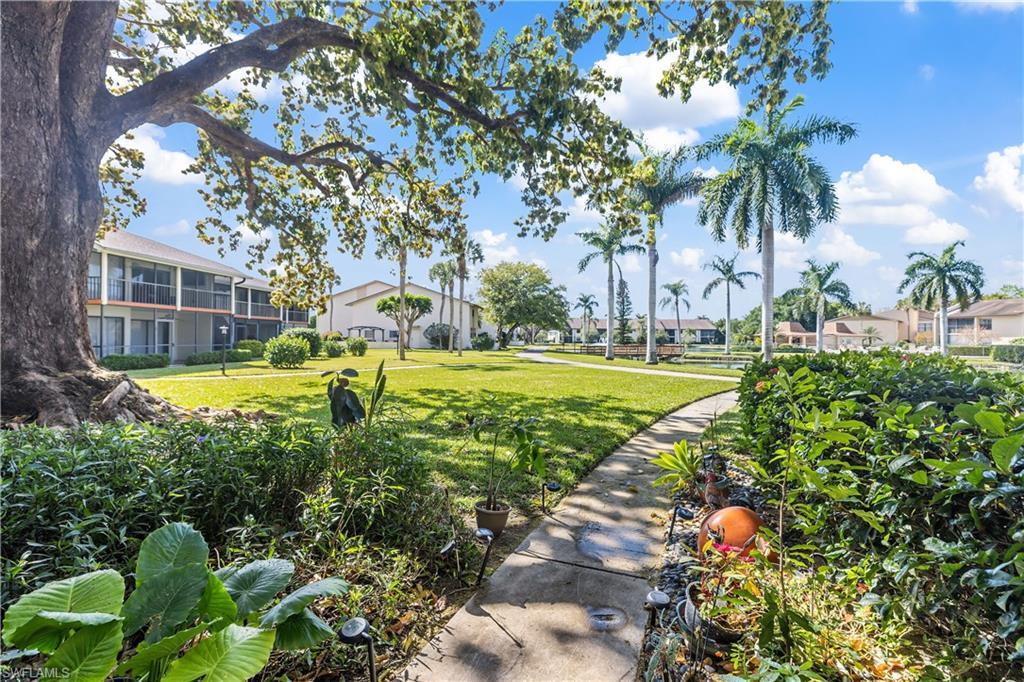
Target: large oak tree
(77,78)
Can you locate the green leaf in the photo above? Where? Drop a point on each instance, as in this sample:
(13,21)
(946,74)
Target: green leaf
(96,592)
(1004,450)
(232,655)
(173,546)
(165,600)
(869,518)
(990,422)
(168,646)
(301,598)
(88,655)
(349,372)
(216,602)
(966,411)
(46,629)
(302,631)
(919,477)
(255,584)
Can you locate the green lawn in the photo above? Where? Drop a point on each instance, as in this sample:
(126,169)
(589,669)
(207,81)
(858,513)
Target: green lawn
(691,367)
(584,413)
(320,364)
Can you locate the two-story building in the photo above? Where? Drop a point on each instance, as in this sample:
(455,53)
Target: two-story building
(149,297)
(700,330)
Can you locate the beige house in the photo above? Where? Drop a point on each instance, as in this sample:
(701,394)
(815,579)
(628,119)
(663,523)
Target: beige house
(353,312)
(987,322)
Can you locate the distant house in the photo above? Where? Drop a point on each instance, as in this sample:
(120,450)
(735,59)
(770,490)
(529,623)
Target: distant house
(986,322)
(835,335)
(701,330)
(353,312)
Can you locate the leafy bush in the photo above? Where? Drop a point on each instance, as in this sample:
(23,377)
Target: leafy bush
(122,363)
(1011,353)
(334,336)
(286,350)
(437,335)
(970,351)
(176,599)
(357,345)
(334,349)
(79,499)
(254,346)
(310,335)
(911,461)
(213,357)
(482,341)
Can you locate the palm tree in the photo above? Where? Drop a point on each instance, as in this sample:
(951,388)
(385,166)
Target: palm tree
(817,286)
(676,292)
(936,280)
(588,304)
(641,327)
(467,252)
(608,243)
(871,334)
(773,184)
(662,182)
(727,276)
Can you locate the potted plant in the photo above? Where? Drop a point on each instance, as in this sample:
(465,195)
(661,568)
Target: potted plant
(525,454)
(717,610)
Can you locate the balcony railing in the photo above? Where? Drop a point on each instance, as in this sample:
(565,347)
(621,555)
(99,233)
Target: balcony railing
(156,294)
(265,310)
(116,289)
(201,298)
(241,307)
(93,287)
(296,316)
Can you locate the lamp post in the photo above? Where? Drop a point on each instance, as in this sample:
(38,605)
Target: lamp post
(357,631)
(223,349)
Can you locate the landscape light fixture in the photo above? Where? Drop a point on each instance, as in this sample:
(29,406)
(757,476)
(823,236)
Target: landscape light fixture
(553,486)
(223,349)
(656,602)
(488,537)
(680,512)
(357,631)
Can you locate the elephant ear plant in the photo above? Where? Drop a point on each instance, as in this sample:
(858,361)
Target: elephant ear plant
(346,407)
(197,622)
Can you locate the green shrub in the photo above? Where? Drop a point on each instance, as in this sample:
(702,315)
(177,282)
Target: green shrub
(482,341)
(214,357)
(1011,353)
(334,336)
(121,363)
(437,335)
(286,351)
(310,335)
(254,346)
(334,349)
(970,351)
(357,345)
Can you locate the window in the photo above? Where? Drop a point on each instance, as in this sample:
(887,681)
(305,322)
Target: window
(143,338)
(94,264)
(94,333)
(392,334)
(113,336)
(924,326)
(961,324)
(221,283)
(985,324)
(115,278)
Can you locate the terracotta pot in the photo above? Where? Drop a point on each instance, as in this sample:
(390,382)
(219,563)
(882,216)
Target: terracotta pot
(732,526)
(719,637)
(493,520)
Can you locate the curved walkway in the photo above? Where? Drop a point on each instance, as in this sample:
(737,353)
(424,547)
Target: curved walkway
(567,604)
(538,356)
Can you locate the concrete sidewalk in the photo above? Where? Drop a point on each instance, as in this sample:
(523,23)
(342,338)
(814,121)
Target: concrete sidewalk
(540,357)
(568,603)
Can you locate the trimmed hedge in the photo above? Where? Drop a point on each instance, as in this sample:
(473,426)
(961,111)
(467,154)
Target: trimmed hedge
(1011,353)
(334,349)
(121,363)
(286,351)
(311,336)
(357,346)
(214,357)
(970,351)
(254,346)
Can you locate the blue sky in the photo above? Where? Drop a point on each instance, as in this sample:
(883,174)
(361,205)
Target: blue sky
(936,90)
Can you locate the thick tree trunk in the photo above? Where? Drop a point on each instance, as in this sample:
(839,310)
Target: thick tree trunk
(819,326)
(652,296)
(462,297)
(52,64)
(944,327)
(679,326)
(767,290)
(609,351)
(402,334)
(728,320)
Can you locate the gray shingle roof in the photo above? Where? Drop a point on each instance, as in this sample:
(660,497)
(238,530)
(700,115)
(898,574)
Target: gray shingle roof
(994,308)
(133,245)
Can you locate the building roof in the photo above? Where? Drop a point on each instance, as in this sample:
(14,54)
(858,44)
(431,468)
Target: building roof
(790,328)
(696,323)
(993,308)
(394,288)
(133,245)
(864,316)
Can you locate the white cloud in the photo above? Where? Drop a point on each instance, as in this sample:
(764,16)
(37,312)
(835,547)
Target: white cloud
(688,258)
(984,5)
(927,71)
(174,229)
(1004,177)
(494,246)
(889,274)
(790,253)
(1014,266)
(938,231)
(666,122)
(540,262)
(631,263)
(837,245)
(248,235)
(579,212)
(909,7)
(885,180)
(161,165)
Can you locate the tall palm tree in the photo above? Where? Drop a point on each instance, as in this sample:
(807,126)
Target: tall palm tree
(442,274)
(467,252)
(662,182)
(727,277)
(818,285)
(677,291)
(607,242)
(871,334)
(773,183)
(588,304)
(937,280)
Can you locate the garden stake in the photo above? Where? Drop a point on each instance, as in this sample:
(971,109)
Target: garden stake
(488,537)
(553,486)
(679,511)
(357,631)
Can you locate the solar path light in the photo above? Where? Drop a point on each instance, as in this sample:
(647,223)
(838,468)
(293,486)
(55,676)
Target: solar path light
(553,486)
(656,602)
(486,536)
(357,631)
